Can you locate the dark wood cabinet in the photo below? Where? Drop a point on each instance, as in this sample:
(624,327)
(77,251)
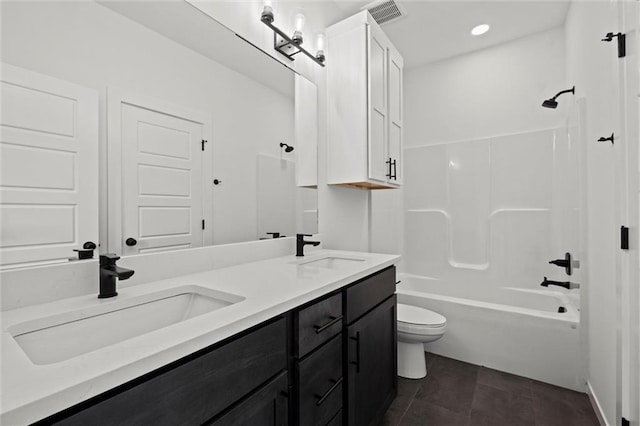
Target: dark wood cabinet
(330,362)
(193,390)
(371,363)
(370,340)
(268,406)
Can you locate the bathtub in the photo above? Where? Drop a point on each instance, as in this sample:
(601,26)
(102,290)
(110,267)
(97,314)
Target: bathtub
(531,333)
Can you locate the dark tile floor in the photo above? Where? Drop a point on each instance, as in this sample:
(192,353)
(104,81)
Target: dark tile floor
(456,393)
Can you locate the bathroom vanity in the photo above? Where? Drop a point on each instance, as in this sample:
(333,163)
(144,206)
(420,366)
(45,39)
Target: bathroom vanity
(315,343)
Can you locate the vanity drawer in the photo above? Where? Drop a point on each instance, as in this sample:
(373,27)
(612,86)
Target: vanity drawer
(234,370)
(316,324)
(268,406)
(197,389)
(368,293)
(320,387)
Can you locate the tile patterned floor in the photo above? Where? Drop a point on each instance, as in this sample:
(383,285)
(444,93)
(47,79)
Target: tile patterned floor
(456,393)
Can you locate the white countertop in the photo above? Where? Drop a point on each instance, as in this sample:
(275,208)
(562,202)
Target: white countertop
(270,287)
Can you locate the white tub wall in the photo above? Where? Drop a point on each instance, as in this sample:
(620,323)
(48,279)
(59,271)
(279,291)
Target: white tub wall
(493,219)
(478,191)
(534,347)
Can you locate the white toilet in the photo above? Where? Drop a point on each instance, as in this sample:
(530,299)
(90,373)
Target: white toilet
(416,326)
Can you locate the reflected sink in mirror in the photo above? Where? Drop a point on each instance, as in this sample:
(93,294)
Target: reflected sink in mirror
(332,262)
(60,337)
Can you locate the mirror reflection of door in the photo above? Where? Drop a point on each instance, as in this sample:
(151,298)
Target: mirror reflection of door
(163,157)
(49,167)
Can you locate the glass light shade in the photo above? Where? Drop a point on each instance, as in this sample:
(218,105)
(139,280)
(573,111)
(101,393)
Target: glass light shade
(267,11)
(320,42)
(299,22)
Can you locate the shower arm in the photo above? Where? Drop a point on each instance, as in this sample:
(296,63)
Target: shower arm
(572,90)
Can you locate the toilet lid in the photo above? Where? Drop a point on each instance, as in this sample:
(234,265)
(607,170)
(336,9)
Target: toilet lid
(414,315)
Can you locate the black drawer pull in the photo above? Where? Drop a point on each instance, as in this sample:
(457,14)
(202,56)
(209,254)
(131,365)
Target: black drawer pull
(333,320)
(357,361)
(322,398)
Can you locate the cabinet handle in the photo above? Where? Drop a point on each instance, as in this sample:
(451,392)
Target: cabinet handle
(389,163)
(322,398)
(357,361)
(333,320)
(395,169)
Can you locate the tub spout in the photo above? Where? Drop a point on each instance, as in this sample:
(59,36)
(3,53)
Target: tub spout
(566,284)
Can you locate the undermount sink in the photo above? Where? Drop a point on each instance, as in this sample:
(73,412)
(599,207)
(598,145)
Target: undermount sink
(60,337)
(332,262)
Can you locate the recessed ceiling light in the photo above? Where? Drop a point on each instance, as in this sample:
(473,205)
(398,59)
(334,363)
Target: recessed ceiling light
(480,29)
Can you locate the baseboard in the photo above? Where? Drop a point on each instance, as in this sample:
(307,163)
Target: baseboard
(596,405)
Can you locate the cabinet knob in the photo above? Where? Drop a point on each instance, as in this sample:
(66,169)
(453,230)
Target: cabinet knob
(131,242)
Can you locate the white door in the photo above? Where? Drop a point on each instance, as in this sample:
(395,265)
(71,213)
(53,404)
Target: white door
(49,167)
(161,158)
(378,111)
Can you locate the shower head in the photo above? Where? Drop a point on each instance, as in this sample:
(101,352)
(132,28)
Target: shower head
(288,147)
(552,103)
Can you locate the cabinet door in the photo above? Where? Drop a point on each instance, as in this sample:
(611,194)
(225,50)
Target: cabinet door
(395,116)
(378,106)
(267,406)
(371,358)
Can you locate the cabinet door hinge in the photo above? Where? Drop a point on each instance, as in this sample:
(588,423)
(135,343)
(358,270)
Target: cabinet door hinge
(202,223)
(624,238)
(203,142)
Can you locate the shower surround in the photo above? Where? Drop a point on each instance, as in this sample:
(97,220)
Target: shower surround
(494,210)
(482,220)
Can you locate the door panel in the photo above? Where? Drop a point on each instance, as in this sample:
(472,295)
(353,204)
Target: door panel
(161,180)
(378,110)
(378,167)
(49,167)
(395,114)
(372,378)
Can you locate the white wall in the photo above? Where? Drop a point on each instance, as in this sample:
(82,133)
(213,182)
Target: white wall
(490,92)
(90,45)
(593,67)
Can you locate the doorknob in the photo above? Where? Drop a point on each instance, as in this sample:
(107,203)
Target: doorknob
(131,242)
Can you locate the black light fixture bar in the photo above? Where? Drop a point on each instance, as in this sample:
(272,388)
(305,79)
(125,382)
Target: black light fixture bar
(285,45)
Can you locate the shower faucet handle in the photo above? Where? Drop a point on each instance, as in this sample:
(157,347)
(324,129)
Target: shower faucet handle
(566,263)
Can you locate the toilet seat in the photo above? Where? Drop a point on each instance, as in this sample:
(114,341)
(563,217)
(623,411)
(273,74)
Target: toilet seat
(413,317)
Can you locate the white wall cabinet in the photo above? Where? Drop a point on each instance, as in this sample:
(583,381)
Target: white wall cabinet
(364,106)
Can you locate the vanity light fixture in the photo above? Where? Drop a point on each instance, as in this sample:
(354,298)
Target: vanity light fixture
(289,46)
(480,29)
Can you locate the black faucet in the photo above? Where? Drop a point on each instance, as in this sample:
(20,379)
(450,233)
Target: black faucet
(109,271)
(300,243)
(547,283)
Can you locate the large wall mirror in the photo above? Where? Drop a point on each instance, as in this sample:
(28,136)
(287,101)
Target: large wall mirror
(195,126)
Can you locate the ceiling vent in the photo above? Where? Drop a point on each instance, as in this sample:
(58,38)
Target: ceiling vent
(385,11)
